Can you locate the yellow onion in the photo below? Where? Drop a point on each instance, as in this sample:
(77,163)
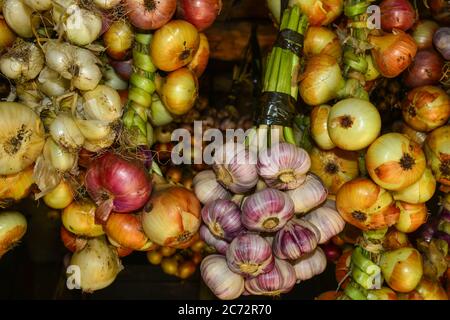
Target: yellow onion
(60,197)
(426,108)
(416,136)
(179,91)
(65,132)
(51,83)
(39,5)
(103,103)
(13,226)
(81,26)
(21,137)
(365,205)
(100,144)
(393,52)
(79,218)
(437,150)
(320,40)
(22,62)
(320,12)
(14,187)
(420,191)
(381,294)
(430,290)
(353,124)
(94,129)
(172,217)
(411,217)
(30,95)
(321,80)
(174,45)
(395,239)
(200,59)
(402,268)
(98,265)
(7,37)
(319,127)
(334,167)
(19,17)
(119,39)
(59,157)
(394,161)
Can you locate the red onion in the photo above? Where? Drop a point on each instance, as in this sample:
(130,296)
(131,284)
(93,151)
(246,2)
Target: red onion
(223,219)
(332,251)
(426,69)
(297,238)
(441,41)
(280,279)
(150,14)
(250,255)
(117,184)
(423,33)
(267,210)
(398,14)
(123,68)
(201,13)
(220,245)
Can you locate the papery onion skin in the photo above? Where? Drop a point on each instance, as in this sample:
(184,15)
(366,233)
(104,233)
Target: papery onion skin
(13,227)
(224,283)
(420,191)
(119,39)
(437,150)
(425,108)
(309,195)
(353,124)
(334,167)
(221,246)
(310,265)
(15,187)
(415,135)
(65,132)
(411,217)
(79,218)
(71,241)
(283,166)
(267,210)
(22,137)
(393,53)
(199,62)
(207,188)
(423,33)
(402,268)
(82,26)
(103,103)
(150,14)
(126,230)
(180,41)
(365,205)
(201,13)
(322,12)
(394,161)
(174,217)
(319,127)
(426,69)
(250,255)
(280,279)
(23,62)
(297,238)
(223,218)
(395,239)
(397,14)
(322,40)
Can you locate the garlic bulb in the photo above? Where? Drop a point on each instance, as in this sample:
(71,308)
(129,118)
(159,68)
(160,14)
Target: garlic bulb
(94,129)
(81,26)
(65,132)
(207,188)
(52,83)
(18,16)
(39,5)
(235,167)
(223,218)
(250,255)
(283,166)
(224,283)
(280,279)
(103,103)
(22,62)
(60,158)
(220,245)
(267,210)
(309,195)
(310,265)
(328,221)
(298,237)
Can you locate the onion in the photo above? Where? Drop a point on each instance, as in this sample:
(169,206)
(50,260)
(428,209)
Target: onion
(353,124)
(423,33)
(334,167)
(441,40)
(71,241)
(224,283)
(420,191)
(411,217)
(395,239)
(179,91)
(7,36)
(15,187)
(173,217)
(22,62)
(81,26)
(98,264)
(437,150)
(39,5)
(430,290)
(118,40)
(200,60)
(180,41)
(365,205)
(123,68)
(201,13)
(65,132)
(402,268)
(19,17)
(79,218)
(394,161)
(13,226)
(60,197)
(52,83)
(103,103)
(416,136)
(426,69)
(106,4)
(321,40)
(393,53)
(117,184)
(332,251)
(319,12)
(319,127)
(381,294)
(343,268)
(150,14)
(321,80)
(126,230)
(22,137)
(397,14)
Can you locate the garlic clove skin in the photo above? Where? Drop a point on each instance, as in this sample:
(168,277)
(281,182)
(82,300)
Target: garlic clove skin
(310,265)
(223,218)
(309,195)
(220,245)
(327,220)
(207,188)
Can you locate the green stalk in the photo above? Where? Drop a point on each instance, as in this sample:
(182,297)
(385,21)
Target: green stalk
(355,292)
(363,263)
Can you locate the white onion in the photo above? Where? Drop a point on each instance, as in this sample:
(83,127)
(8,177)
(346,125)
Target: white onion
(23,62)
(106,4)
(65,132)
(52,83)
(98,145)
(82,26)
(310,265)
(13,226)
(94,129)
(18,17)
(103,103)
(60,158)
(39,5)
